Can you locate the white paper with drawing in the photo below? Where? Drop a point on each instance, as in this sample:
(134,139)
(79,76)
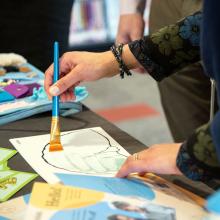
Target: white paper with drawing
(87,151)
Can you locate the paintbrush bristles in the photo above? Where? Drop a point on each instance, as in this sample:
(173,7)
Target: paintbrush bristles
(55,144)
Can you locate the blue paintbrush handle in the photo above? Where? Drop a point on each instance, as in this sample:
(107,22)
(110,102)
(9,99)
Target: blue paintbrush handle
(55,110)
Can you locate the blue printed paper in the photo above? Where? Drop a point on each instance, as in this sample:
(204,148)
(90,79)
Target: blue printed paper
(123,187)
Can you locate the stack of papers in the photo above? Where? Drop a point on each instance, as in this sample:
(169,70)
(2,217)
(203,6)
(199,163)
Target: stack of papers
(72,203)
(87,167)
(101,198)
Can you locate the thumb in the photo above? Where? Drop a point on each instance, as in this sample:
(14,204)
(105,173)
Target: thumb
(65,83)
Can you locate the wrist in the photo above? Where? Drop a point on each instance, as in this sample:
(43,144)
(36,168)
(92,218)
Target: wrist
(129,59)
(188,166)
(111,66)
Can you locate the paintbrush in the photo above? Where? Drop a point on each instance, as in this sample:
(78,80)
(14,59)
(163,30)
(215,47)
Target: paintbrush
(55,144)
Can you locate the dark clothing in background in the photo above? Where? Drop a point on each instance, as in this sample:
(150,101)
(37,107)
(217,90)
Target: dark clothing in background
(29,28)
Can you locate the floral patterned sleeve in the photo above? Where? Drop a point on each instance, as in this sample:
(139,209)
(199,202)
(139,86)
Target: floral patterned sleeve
(197,158)
(169,49)
(163,53)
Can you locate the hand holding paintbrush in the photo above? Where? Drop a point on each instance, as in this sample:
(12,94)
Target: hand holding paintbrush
(55,144)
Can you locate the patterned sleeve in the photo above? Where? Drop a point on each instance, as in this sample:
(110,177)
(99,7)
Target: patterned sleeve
(169,49)
(197,158)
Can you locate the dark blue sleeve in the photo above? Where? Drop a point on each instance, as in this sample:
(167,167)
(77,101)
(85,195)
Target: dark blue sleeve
(210,47)
(199,156)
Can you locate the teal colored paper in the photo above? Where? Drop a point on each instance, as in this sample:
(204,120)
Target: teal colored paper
(119,186)
(23,178)
(5,154)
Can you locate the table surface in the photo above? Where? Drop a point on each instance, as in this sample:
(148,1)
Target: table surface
(40,124)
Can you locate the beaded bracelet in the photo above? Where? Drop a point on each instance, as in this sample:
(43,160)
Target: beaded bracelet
(117,52)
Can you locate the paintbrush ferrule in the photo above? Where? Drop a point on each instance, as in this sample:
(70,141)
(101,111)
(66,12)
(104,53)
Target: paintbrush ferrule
(55,143)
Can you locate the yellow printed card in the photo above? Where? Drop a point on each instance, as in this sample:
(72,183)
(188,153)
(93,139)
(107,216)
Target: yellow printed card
(58,197)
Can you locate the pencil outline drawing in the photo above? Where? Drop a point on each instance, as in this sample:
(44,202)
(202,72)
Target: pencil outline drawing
(104,154)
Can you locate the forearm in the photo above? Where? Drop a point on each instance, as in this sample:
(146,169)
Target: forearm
(197,158)
(169,49)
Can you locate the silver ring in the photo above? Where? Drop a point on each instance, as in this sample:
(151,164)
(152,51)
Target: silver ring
(136,156)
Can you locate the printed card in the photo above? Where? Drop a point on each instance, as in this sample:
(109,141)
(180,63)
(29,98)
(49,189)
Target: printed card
(4,166)
(5,174)
(5,154)
(13,183)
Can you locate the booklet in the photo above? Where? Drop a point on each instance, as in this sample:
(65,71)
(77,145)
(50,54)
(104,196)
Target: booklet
(57,202)
(150,187)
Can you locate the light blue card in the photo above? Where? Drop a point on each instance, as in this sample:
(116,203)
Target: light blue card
(123,187)
(213,203)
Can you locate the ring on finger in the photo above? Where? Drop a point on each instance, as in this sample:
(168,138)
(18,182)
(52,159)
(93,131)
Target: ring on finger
(136,156)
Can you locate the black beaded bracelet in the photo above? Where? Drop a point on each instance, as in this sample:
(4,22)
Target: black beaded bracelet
(117,52)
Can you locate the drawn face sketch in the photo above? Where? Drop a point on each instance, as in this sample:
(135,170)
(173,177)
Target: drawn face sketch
(86,151)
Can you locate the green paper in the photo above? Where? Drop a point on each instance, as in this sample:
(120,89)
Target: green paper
(4,166)
(5,154)
(14,184)
(5,174)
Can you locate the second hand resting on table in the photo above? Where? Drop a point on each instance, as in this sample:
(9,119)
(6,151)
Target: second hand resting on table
(77,67)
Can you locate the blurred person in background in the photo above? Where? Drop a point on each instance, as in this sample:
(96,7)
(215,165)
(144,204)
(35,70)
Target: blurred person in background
(185,96)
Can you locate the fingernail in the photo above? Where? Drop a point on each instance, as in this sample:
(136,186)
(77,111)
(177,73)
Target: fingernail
(54,90)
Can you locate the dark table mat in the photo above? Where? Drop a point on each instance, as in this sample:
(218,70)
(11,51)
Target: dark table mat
(40,124)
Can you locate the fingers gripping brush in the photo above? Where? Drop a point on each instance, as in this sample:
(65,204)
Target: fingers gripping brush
(55,144)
